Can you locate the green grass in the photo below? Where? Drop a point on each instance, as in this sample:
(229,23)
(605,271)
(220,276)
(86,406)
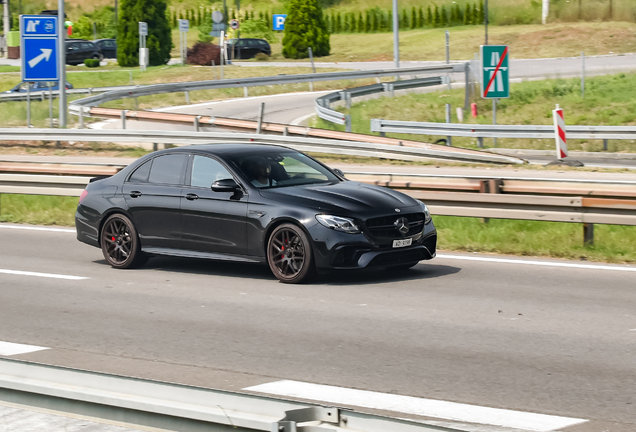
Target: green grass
(36,209)
(532,238)
(609,100)
(514,237)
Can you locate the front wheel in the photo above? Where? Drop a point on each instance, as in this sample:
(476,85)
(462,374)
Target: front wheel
(120,243)
(289,254)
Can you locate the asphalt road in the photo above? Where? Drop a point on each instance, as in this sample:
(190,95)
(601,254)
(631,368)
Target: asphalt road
(539,338)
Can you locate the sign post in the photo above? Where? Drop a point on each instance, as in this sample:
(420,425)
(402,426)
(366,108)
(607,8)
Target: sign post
(143,51)
(184,27)
(39,47)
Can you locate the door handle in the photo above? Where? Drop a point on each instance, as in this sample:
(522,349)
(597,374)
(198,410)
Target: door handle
(192,197)
(135,194)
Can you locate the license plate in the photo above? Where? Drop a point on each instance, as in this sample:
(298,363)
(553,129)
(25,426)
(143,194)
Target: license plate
(402,243)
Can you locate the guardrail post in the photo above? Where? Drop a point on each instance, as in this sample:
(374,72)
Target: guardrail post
(261,112)
(123,118)
(480,142)
(285,131)
(605,144)
(588,234)
(81,117)
(51,105)
(137,104)
(449,139)
(467,86)
(155,146)
(28,105)
(348,100)
(187,95)
(347,123)
(196,123)
(313,67)
(245,92)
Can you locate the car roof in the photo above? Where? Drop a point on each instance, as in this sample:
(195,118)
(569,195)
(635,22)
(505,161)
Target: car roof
(103,39)
(224,150)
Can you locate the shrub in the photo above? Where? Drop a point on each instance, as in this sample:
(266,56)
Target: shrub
(91,63)
(159,39)
(305,28)
(203,53)
(261,57)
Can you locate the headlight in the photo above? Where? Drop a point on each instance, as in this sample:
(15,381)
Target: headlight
(338,223)
(427,214)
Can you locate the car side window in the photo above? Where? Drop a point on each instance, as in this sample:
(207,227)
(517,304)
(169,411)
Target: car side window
(206,171)
(87,46)
(141,174)
(168,169)
(262,43)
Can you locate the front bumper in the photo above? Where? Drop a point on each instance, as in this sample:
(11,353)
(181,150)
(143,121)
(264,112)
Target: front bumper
(337,250)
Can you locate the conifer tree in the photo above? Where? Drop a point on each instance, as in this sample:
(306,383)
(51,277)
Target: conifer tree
(475,17)
(159,40)
(467,15)
(436,18)
(481,12)
(458,14)
(413,18)
(405,20)
(420,18)
(429,17)
(305,28)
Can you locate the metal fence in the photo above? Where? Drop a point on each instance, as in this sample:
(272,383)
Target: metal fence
(152,404)
(481,131)
(323,103)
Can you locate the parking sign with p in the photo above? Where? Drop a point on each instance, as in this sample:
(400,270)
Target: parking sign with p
(278,21)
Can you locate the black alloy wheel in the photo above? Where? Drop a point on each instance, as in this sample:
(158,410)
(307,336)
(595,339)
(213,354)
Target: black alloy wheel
(289,254)
(120,243)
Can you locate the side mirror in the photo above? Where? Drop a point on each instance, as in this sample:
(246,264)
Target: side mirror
(225,185)
(339,172)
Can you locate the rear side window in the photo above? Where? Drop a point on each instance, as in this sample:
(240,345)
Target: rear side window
(141,174)
(168,169)
(87,46)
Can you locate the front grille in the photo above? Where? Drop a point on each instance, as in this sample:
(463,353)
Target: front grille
(386,227)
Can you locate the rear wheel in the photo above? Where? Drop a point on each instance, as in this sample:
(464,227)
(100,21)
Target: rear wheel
(120,243)
(289,254)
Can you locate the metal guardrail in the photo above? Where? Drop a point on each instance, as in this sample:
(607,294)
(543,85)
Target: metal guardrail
(480,131)
(155,404)
(321,141)
(577,201)
(43,95)
(323,103)
(256,81)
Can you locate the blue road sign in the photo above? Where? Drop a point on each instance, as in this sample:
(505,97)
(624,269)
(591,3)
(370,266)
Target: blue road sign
(38,40)
(278,21)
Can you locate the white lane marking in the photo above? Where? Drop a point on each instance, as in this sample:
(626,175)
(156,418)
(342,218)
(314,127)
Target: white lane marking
(22,227)
(537,263)
(299,120)
(418,406)
(46,275)
(10,348)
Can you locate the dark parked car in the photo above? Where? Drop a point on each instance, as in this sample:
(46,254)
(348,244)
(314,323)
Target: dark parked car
(78,50)
(37,86)
(108,47)
(251,203)
(248,48)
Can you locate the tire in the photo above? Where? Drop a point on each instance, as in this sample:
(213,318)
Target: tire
(95,57)
(120,243)
(290,255)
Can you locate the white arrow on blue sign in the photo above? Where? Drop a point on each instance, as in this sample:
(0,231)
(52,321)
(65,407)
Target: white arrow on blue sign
(38,40)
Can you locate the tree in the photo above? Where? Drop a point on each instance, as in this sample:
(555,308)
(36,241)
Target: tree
(467,15)
(481,12)
(429,17)
(413,18)
(305,28)
(159,40)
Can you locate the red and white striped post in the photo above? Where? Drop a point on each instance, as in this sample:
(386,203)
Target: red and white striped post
(559,133)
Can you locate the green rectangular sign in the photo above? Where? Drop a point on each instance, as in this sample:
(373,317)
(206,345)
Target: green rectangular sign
(495,72)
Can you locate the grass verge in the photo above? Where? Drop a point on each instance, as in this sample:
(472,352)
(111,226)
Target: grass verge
(609,100)
(514,237)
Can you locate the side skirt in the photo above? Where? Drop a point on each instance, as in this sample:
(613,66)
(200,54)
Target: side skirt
(203,255)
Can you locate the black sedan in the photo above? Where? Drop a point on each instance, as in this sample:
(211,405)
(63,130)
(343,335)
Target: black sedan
(251,203)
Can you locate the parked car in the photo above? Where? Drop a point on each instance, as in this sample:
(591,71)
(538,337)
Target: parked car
(252,203)
(108,47)
(37,86)
(248,48)
(78,50)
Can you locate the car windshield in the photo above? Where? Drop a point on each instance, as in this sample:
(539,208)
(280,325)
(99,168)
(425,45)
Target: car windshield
(281,168)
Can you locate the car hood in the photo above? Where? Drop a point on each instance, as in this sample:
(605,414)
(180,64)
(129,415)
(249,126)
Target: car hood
(345,198)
